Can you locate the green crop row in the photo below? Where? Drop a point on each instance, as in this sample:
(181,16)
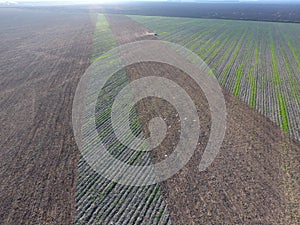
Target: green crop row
(238,80)
(297,57)
(225,45)
(253,89)
(280,99)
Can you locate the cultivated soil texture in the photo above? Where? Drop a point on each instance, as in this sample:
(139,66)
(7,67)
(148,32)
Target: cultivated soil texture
(42,56)
(255,177)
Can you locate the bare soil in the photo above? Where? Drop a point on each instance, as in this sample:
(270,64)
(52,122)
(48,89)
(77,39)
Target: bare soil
(255,177)
(42,56)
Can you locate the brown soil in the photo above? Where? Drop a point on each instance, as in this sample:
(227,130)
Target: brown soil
(43,55)
(255,177)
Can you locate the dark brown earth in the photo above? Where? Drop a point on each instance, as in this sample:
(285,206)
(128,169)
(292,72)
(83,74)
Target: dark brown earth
(42,56)
(255,177)
(256,11)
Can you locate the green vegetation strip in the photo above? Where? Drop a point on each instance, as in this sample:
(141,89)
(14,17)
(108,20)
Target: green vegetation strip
(280,99)
(295,53)
(101,201)
(238,81)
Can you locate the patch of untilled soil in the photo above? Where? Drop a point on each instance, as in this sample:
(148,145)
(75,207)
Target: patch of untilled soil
(255,177)
(43,55)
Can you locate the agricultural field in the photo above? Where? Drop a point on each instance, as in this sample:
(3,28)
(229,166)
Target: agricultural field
(242,185)
(259,62)
(42,56)
(44,178)
(212,10)
(99,200)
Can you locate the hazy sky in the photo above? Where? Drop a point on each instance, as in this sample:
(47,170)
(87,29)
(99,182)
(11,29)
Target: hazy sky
(107,1)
